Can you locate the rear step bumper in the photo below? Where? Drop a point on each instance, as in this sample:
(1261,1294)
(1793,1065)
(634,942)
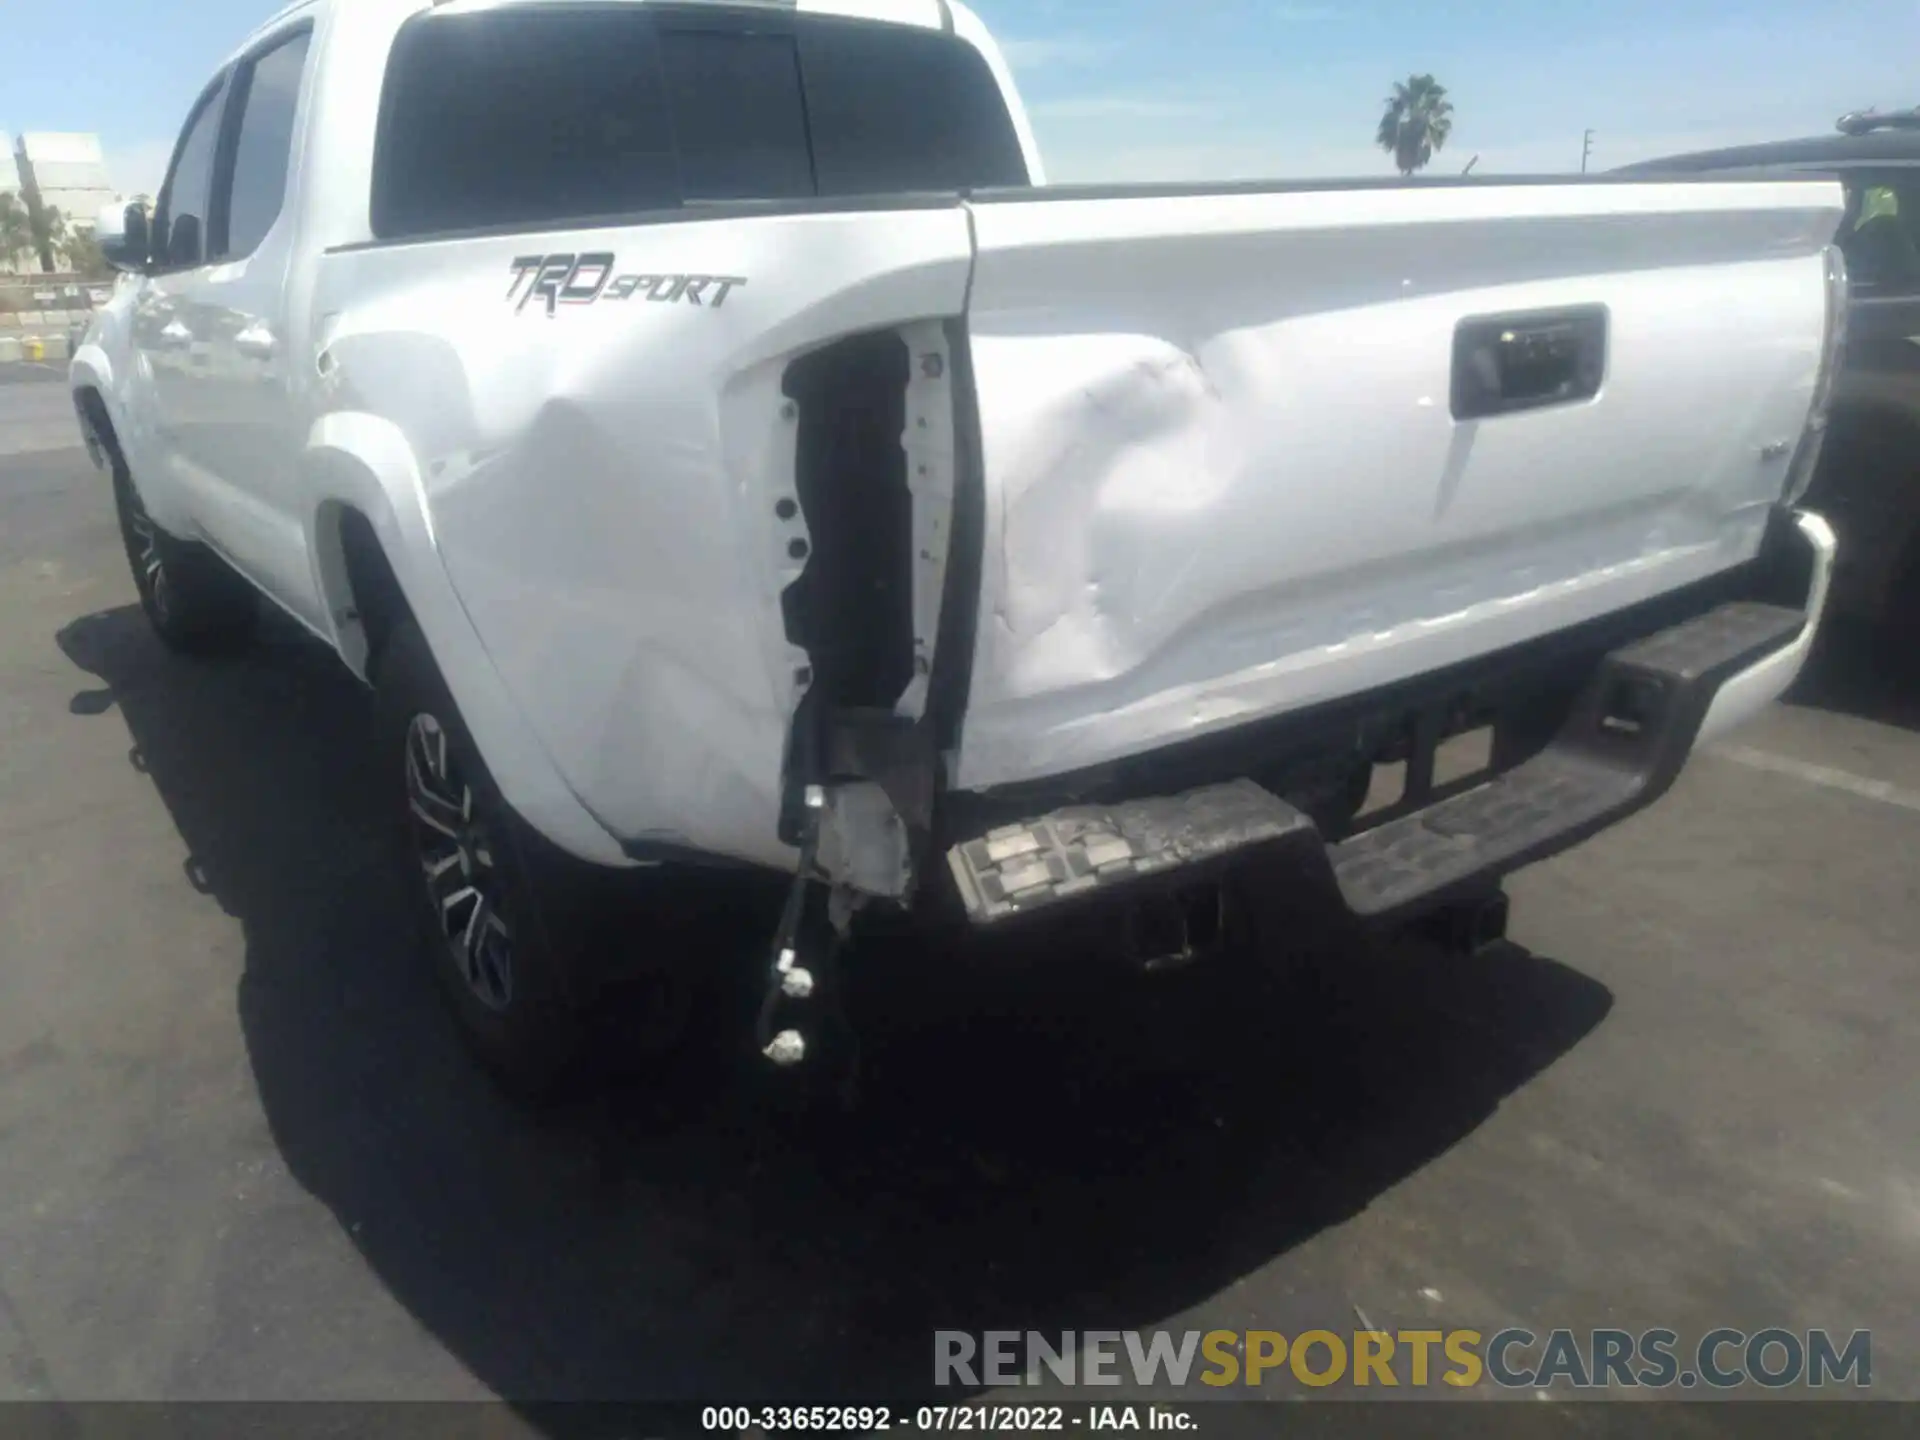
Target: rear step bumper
(1683,685)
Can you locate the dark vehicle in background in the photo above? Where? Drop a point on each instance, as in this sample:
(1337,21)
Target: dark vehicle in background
(1868,481)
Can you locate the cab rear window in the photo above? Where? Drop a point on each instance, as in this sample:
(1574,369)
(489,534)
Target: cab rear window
(535,116)
(892,108)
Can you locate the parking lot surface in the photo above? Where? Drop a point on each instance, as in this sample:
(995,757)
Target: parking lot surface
(242,1154)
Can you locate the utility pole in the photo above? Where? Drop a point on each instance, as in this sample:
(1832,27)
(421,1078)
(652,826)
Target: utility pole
(1586,149)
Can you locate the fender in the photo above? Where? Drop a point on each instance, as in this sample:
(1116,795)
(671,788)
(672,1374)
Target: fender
(122,393)
(93,365)
(93,370)
(359,460)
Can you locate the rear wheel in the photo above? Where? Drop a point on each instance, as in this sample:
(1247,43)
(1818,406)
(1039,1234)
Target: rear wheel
(524,940)
(194,601)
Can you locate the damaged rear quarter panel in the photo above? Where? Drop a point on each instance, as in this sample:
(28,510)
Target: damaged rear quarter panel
(602,481)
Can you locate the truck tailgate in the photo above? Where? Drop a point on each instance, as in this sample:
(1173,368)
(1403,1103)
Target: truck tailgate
(1224,475)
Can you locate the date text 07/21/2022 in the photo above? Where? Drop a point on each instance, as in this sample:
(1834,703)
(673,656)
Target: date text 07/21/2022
(976,1419)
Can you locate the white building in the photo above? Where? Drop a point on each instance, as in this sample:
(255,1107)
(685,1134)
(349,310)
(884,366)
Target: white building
(10,185)
(66,172)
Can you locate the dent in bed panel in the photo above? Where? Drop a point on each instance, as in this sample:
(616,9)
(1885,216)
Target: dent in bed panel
(1203,509)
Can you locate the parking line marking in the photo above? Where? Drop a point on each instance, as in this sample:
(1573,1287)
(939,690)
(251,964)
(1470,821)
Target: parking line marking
(1824,776)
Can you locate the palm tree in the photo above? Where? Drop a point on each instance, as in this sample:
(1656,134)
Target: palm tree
(49,233)
(1418,119)
(16,230)
(84,256)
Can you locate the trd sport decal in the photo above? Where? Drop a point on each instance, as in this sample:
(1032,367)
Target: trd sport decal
(583,279)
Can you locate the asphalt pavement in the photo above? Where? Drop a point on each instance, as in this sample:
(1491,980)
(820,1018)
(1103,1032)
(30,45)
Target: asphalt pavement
(243,1156)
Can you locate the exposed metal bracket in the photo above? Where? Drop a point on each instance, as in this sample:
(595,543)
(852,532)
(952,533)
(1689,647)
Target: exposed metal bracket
(863,842)
(929,445)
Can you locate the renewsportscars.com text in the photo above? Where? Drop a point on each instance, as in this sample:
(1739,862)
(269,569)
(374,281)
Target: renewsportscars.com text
(1720,1359)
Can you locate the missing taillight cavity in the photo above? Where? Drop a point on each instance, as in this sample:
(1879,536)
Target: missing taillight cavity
(851,608)
(872,482)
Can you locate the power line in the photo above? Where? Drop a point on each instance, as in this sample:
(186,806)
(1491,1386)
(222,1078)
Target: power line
(1586,149)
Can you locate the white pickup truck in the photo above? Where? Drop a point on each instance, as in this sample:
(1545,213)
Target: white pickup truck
(716,446)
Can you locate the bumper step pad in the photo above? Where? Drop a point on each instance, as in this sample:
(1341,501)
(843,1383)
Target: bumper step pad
(1577,784)
(1589,775)
(1382,870)
(1084,849)
(1726,637)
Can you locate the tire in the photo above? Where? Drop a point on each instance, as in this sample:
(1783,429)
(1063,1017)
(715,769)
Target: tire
(1903,591)
(521,937)
(196,604)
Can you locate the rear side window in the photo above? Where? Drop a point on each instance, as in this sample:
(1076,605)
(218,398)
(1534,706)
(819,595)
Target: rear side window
(521,117)
(894,108)
(541,115)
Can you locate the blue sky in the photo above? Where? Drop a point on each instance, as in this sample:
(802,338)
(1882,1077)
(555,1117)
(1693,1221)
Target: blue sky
(1192,89)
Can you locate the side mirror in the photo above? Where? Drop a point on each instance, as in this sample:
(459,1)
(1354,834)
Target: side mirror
(122,234)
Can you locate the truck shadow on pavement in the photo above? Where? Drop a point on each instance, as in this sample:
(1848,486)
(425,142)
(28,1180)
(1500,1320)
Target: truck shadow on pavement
(1048,1153)
(1863,668)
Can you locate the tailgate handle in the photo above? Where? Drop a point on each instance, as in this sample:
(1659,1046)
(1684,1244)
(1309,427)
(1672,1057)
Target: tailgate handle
(1504,363)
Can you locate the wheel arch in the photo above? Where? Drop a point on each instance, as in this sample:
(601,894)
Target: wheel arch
(97,430)
(362,593)
(355,532)
(376,563)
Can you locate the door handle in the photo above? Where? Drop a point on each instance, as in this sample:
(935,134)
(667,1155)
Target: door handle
(1504,363)
(175,336)
(256,342)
